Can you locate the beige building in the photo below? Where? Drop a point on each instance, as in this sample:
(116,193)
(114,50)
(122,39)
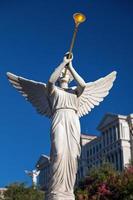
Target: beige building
(82,164)
(43,164)
(114,145)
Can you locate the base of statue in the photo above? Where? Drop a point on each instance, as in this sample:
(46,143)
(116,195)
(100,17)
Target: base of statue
(60,196)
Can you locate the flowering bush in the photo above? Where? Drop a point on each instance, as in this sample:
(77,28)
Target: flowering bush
(19,191)
(105,183)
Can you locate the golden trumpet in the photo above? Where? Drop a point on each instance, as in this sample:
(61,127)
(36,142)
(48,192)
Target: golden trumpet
(78,19)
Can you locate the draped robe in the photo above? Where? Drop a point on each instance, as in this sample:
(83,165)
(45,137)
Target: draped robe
(65,144)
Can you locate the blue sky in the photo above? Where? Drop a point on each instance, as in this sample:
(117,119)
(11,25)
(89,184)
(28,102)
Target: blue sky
(34,35)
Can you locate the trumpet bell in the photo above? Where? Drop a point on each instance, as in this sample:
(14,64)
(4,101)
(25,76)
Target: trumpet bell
(79,18)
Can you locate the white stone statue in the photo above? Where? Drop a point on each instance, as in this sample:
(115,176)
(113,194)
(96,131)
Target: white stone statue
(64,105)
(33,174)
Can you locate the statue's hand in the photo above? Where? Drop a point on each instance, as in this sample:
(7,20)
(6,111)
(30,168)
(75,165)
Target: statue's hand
(66,58)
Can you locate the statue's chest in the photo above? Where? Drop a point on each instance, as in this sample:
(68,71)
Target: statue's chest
(65,98)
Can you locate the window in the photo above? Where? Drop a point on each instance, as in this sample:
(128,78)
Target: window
(110,133)
(108,158)
(114,133)
(100,146)
(97,148)
(116,157)
(81,170)
(107,135)
(87,154)
(103,139)
(118,130)
(112,158)
(93,150)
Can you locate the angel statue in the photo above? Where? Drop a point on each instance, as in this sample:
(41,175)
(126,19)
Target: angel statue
(64,105)
(33,174)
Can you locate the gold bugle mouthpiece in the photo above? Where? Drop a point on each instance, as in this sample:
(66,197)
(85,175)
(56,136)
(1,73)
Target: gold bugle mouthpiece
(79,18)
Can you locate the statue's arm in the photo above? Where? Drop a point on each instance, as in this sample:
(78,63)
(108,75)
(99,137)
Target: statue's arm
(81,83)
(54,76)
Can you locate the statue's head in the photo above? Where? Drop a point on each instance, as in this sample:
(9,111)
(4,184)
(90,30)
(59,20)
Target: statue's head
(65,77)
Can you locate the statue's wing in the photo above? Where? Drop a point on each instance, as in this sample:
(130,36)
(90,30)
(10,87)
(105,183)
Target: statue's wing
(94,93)
(34,92)
(28,172)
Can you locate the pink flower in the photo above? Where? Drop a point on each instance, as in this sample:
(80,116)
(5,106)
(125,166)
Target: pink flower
(130,169)
(103,190)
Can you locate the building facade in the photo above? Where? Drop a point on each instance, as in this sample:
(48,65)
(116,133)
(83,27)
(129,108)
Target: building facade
(114,145)
(82,163)
(43,164)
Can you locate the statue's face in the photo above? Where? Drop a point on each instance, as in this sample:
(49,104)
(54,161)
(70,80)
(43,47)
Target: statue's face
(65,79)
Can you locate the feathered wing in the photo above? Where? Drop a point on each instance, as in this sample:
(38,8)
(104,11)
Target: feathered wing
(28,172)
(94,93)
(34,92)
